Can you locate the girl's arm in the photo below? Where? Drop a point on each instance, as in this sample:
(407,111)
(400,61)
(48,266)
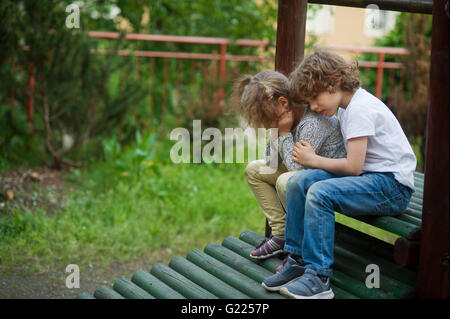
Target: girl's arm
(271,153)
(311,131)
(352,165)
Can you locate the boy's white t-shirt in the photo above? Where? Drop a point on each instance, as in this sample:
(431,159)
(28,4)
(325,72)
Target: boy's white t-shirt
(388,149)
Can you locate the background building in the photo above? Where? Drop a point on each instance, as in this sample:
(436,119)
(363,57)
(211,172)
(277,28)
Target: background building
(349,26)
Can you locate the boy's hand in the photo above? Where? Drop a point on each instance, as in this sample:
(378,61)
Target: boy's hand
(285,123)
(303,153)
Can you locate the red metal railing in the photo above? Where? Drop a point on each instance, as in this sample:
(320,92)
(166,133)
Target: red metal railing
(222,57)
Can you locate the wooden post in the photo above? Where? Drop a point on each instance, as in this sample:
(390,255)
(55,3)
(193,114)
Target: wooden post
(291,26)
(434,243)
(289,51)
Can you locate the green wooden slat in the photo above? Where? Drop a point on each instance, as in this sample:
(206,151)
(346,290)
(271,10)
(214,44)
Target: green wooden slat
(180,283)
(154,286)
(105,292)
(84,295)
(419,175)
(415,206)
(418,193)
(204,279)
(237,262)
(356,269)
(356,287)
(129,290)
(387,266)
(365,242)
(410,219)
(243,249)
(231,276)
(413,213)
(417,200)
(340,293)
(251,237)
(390,224)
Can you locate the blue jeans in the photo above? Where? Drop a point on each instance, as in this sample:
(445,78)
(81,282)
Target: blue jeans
(313,195)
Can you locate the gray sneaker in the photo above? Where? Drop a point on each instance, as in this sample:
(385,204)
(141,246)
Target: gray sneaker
(309,286)
(290,272)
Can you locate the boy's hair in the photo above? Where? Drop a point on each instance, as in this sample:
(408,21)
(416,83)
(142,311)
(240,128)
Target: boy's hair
(323,71)
(256,96)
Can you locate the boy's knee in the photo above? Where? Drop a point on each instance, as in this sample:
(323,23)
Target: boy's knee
(295,182)
(292,185)
(318,193)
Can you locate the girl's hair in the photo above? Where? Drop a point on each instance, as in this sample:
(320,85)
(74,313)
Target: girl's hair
(256,96)
(323,71)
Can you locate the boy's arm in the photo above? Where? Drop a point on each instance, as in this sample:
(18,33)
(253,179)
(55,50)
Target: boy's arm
(352,165)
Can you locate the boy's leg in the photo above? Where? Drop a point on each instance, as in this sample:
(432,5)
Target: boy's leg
(296,190)
(364,195)
(370,194)
(263,187)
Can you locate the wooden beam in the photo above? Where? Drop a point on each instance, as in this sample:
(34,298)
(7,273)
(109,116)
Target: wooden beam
(290,46)
(415,6)
(434,243)
(291,27)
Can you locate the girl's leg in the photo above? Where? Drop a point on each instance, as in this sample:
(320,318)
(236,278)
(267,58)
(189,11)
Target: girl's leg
(376,194)
(263,187)
(280,186)
(296,190)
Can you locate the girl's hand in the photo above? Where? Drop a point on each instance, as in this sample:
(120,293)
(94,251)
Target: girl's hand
(285,123)
(303,153)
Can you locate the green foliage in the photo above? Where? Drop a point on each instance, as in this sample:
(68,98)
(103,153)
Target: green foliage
(233,19)
(407,92)
(73,97)
(395,38)
(133,160)
(89,97)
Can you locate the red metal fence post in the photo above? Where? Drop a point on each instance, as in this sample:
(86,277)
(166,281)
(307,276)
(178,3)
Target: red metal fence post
(222,65)
(379,75)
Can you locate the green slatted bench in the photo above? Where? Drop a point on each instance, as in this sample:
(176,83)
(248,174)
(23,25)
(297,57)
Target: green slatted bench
(227,271)
(405,227)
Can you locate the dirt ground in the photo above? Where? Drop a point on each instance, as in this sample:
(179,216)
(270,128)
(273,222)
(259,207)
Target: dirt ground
(17,285)
(43,187)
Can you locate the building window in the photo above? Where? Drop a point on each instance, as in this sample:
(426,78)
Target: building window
(378,22)
(320,19)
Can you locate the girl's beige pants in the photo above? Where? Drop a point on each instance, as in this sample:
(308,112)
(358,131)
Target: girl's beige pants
(269,188)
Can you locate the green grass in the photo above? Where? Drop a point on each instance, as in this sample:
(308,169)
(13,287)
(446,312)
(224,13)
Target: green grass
(111,216)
